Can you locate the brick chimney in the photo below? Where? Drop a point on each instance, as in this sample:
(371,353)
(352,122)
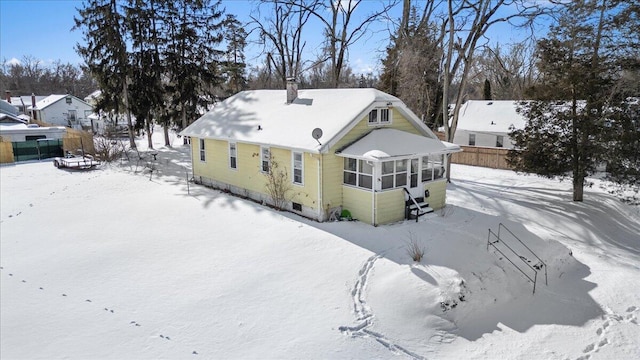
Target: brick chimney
(8,95)
(292,89)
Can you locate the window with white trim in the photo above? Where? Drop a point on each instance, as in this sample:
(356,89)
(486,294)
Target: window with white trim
(265,158)
(233,157)
(202,152)
(297,159)
(394,174)
(358,173)
(379,116)
(432,167)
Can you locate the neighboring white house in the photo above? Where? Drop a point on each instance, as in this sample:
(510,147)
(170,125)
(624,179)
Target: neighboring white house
(64,110)
(488,123)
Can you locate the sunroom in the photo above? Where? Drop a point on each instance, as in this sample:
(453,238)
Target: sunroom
(390,175)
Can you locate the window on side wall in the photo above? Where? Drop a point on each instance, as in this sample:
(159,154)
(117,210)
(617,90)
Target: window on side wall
(297,160)
(472,139)
(233,157)
(358,173)
(265,159)
(499,141)
(202,152)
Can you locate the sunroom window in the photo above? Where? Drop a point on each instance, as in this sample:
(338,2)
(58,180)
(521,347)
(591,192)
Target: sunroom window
(432,167)
(394,174)
(358,173)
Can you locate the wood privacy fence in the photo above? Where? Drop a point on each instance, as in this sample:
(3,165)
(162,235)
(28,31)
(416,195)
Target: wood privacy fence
(495,158)
(74,140)
(490,157)
(6,152)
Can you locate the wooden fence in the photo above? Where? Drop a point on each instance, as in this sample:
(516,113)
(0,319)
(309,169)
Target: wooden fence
(6,152)
(74,140)
(495,158)
(490,157)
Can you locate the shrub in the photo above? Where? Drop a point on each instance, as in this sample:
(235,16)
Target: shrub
(108,149)
(278,185)
(414,249)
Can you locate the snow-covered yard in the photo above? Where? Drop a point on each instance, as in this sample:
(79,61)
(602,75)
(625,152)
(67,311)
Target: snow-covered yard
(107,264)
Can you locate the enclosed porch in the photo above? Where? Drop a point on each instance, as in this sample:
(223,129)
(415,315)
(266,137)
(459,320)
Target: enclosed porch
(390,175)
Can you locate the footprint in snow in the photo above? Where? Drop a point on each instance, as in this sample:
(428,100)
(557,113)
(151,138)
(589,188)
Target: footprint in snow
(24,281)
(195,352)
(88,300)
(64,294)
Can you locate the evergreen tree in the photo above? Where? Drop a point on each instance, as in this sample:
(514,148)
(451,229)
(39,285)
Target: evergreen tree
(581,117)
(234,66)
(105,53)
(191,59)
(487,89)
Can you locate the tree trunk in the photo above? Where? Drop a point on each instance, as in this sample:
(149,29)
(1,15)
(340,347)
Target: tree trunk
(125,91)
(165,129)
(149,134)
(578,186)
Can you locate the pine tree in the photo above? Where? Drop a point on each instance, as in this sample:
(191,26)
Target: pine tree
(234,66)
(487,89)
(105,54)
(578,103)
(191,60)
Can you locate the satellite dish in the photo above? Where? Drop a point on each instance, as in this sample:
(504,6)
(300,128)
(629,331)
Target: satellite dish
(317,134)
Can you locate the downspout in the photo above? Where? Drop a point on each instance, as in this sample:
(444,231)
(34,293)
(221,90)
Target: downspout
(320,205)
(373,195)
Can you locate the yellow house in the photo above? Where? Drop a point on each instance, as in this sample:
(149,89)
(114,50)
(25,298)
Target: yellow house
(360,150)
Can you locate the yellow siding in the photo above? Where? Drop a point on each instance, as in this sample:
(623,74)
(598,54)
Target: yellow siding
(333,165)
(358,202)
(437,193)
(247,175)
(389,206)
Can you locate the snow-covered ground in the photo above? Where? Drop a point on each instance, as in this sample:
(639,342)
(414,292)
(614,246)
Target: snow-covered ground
(108,264)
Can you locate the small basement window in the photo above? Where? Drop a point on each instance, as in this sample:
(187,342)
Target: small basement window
(296,206)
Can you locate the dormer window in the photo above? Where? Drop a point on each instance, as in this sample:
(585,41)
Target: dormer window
(379,116)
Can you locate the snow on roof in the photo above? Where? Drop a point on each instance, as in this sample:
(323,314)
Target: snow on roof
(495,116)
(392,143)
(52,99)
(263,117)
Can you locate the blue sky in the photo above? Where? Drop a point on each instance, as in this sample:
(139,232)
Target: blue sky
(42,29)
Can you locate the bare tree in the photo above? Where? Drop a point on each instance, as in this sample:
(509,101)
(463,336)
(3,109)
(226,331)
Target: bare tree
(341,27)
(281,36)
(465,26)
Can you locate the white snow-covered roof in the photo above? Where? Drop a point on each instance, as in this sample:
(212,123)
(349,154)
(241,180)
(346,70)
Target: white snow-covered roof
(94,95)
(52,99)
(494,116)
(263,117)
(392,143)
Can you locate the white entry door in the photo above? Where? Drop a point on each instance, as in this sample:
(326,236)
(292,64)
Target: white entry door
(414,183)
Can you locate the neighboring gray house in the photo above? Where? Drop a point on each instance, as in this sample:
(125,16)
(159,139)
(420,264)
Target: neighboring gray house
(63,110)
(488,123)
